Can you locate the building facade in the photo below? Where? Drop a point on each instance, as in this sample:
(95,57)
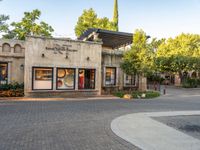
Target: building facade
(67,68)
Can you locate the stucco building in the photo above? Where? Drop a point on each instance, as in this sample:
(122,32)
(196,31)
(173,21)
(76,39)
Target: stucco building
(87,66)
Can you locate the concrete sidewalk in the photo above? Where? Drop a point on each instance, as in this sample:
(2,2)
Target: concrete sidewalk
(57,99)
(148,134)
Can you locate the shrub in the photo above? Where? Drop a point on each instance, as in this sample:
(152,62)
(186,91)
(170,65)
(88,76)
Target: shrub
(119,94)
(12,90)
(148,94)
(191,83)
(137,94)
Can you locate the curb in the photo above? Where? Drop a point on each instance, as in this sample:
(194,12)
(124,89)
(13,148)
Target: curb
(7,99)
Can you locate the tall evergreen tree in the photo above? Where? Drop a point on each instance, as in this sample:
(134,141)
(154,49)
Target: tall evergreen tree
(116,16)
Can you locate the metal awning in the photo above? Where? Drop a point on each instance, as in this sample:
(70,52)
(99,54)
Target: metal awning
(109,38)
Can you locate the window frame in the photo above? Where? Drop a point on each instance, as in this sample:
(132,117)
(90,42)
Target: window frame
(94,78)
(33,77)
(57,79)
(133,80)
(6,71)
(115,79)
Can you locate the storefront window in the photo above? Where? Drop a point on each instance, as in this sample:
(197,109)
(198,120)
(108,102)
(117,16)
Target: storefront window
(86,79)
(110,76)
(130,80)
(65,79)
(42,78)
(3,73)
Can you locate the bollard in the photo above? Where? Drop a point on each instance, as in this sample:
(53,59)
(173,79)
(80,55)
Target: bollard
(164,91)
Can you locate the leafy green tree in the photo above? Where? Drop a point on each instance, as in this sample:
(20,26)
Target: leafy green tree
(3,25)
(179,55)
(29,26)
(140,59)
(116,16)
(89,19)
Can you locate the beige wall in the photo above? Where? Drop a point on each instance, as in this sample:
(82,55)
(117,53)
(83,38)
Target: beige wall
(36,47)
(14,58)
(113,58)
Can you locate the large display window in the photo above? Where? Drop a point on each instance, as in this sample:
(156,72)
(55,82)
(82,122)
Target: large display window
(65,79)
(42,78)
(3,73)
(110,76)
(86,79)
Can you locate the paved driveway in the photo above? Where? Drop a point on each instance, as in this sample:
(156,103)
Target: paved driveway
(78,125)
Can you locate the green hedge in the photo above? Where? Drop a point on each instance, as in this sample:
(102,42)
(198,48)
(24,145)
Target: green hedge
(119,94)
(137,94)
(148,94)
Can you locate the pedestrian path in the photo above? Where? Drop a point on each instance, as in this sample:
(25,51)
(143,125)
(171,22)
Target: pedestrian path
(109,97)
(148,134)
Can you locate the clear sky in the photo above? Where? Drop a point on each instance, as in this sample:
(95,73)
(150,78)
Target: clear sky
(158,18)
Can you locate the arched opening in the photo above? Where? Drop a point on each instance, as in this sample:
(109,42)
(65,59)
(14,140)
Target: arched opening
(6,47)
(17,48)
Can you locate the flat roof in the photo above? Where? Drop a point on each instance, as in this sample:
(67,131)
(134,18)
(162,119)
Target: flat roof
(109,38)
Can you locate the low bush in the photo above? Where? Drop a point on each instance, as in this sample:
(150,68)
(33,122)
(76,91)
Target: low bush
(119,94)
(137,94)
(145,95)
(191,83)
(12,90)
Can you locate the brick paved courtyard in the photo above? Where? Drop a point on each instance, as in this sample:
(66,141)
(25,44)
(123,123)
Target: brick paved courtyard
(75,125)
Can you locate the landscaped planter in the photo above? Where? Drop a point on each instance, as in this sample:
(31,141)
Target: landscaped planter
(137,95)
(12,93)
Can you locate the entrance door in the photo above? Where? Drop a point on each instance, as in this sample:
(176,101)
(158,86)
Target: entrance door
(86,79)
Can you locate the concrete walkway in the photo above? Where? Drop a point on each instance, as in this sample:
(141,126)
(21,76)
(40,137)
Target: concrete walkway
(109,97)
(148,134)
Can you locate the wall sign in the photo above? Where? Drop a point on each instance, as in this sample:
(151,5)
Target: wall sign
(59,49)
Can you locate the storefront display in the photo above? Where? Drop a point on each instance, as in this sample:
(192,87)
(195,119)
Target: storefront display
(65,79)
(42,78)
(86,79)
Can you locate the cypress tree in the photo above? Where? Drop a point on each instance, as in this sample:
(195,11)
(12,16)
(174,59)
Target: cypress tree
(115,16)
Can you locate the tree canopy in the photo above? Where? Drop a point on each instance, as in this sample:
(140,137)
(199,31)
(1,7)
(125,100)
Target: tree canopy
(89,19)
(3,25)
(140,58)
(29,26)
(178,55)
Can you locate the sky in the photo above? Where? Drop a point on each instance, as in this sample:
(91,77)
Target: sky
(158,18)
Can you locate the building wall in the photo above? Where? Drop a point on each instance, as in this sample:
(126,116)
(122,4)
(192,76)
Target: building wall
(81,55)
(113,58)
(13,54)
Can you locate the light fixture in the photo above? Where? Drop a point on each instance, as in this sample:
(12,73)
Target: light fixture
(43,55)
(67,57)
(88,58)
(22,66)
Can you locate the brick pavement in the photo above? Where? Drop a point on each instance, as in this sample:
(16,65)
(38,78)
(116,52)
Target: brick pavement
(75,125)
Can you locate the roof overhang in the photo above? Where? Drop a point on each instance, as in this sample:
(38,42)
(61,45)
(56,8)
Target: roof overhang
(109,38)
